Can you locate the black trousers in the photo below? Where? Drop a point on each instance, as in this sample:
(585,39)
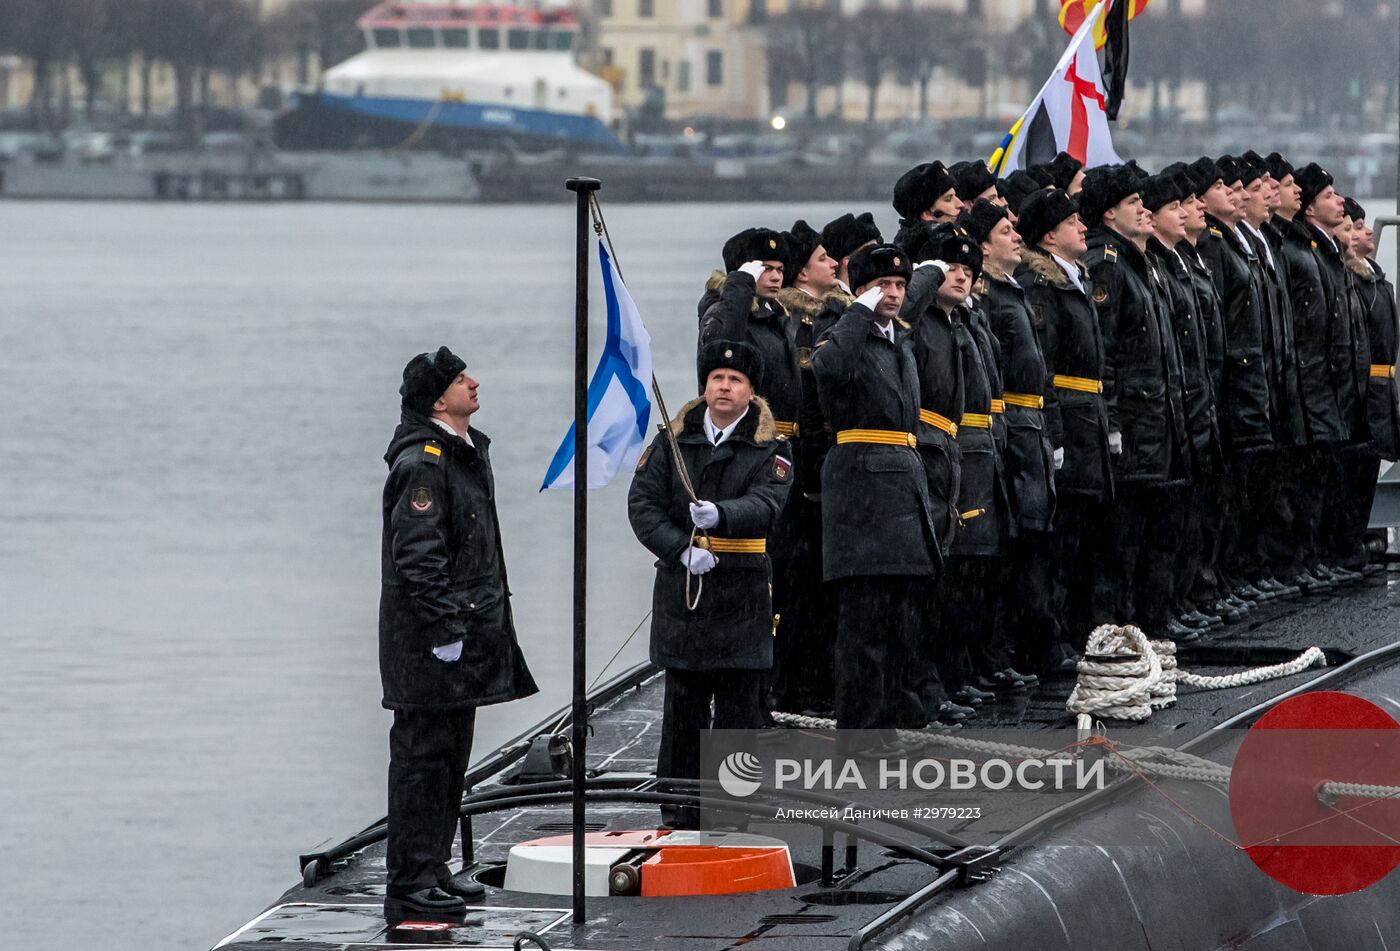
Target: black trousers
(429,751)
(1190,553)
(880,623)
(804,650)
(1349,501)
(1028,591)
(1210,499)
(1312,474)
(1081,544)
(972,636)
(735,696)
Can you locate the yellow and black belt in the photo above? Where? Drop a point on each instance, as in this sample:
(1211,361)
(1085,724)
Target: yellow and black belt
(938,421)
(879,437)
(1383,371)
(1026,400)
(976,421)
(1080,383)
(734,546)
(790,430)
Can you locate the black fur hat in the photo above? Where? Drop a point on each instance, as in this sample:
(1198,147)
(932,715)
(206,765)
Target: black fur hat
(426,377)
(1313,179)
(801,241)
(731,355)
(918,188)
(1064,167)
(1104,187)
(1251,170)
(842,236)
(874,262)
(979,218)
(1279,167)
(1042,213)
(1160,191)
(1353,209)
(753,244)
(1041,173)
(1017,187)
(972,179)
(1231,169)
(951,246)
(1206,173)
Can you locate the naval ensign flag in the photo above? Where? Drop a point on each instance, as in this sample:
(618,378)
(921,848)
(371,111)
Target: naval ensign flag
(618,402)
(1067,115)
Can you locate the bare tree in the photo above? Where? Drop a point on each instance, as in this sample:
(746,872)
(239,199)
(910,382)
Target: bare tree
(807,45)
(30,29)
(871,36)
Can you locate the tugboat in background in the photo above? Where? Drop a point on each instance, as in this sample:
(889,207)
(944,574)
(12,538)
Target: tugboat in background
(453,77)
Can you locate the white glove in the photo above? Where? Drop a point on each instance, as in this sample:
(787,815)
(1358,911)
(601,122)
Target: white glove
(704,514)
(449,652)
(872,297)
(938,264)
(698,560)
(753,269)
(1059,459)
(1115,443)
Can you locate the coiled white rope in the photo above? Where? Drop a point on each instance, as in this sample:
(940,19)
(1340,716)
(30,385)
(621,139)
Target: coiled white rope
(1124,676)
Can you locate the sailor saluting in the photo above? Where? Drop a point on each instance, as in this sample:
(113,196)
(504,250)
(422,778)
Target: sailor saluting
(446,636)
(740,469)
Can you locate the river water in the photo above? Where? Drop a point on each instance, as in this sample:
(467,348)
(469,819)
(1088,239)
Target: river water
(194,402)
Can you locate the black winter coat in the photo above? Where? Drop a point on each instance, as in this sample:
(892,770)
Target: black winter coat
(1314,320)
(734,313)
(444,576)
(1286,406)
(1347,354)
(1067,326)
(1141,379)
(1192,344)
(984,511)
(938,353)
(1212,321)
(1382,396)
(1245,419)
(876,514)
(813,318)
(747,476)
(1029,459)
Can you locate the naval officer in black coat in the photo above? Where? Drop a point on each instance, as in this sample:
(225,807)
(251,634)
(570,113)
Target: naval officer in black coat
(741,470)
(446,635)
(878,538)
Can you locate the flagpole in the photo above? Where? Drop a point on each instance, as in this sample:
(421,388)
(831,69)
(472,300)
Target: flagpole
(583,189)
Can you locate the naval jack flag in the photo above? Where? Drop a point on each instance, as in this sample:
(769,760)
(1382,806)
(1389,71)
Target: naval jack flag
(1067,115)
(619,406)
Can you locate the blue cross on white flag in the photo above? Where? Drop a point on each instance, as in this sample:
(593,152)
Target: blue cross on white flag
(619,406)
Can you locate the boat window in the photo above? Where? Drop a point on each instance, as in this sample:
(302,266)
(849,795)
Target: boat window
(518,39)
(488,39)
(456,39)
(541,40)
(387,39)
(420,39)
(563,41)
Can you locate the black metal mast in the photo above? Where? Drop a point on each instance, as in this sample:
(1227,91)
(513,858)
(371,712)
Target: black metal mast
(583,189)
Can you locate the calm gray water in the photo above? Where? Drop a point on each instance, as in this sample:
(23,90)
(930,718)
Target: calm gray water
(194,402)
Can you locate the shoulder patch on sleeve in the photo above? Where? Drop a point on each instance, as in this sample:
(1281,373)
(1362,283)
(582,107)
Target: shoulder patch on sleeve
(432,453)
(1100,294)
(421,501)
(1038,313)
(782,468)
(646,457)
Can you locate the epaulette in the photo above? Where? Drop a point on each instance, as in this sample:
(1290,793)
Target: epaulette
(1215,232)
(1110,252)
(432,453)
